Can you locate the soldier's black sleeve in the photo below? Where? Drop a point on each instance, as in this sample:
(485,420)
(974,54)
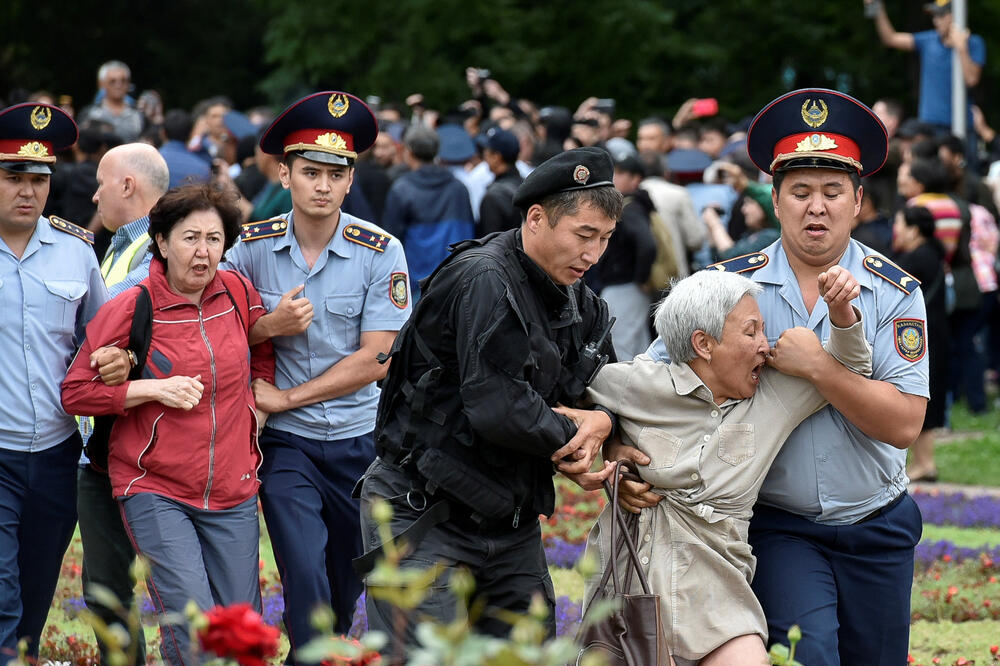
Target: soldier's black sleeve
(494,358)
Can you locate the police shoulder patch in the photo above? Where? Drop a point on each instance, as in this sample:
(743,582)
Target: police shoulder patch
(251,231)
(891,273)
(72,229)
(370,239)
(741,264)
(399,291)
(911,343)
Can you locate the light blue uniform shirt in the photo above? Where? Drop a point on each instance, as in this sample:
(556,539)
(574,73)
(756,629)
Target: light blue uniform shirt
(828,470)
(46,299)
(350,289)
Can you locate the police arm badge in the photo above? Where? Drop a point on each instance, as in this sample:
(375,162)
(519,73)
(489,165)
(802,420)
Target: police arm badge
(399,291)
(911,340)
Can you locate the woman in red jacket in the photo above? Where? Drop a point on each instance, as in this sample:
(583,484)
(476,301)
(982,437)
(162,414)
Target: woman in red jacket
(183,453)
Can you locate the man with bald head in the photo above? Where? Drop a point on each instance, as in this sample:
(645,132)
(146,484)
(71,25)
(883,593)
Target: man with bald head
(130,179)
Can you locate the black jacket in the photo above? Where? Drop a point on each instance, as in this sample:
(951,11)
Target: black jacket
(497,211)
(492,345)
(632,249)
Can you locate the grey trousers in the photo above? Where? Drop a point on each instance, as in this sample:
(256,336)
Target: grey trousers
(209,557)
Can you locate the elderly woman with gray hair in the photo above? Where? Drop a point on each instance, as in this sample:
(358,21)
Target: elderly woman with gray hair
(712,422)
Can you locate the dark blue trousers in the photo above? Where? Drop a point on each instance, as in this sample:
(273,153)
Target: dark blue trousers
(314,524)
(37,516)
(847,587)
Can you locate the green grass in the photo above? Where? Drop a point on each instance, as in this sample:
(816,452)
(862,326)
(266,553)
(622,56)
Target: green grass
(950,641)
(973,456)
(971,537)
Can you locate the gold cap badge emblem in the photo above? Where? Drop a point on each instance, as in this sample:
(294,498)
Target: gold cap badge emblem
(581,174)
(40,117)
(331,140)
(815,142)
(814,115)
(33,149)
(338,105)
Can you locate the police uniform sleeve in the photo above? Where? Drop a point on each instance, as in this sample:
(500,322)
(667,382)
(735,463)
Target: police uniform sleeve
(494,357)
(96,296)
(387,301)
(83,392)
(900,346)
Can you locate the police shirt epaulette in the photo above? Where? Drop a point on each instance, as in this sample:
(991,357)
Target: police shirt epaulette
(366,237)
(252,231)
(890,272)
(71,229)
(742,264)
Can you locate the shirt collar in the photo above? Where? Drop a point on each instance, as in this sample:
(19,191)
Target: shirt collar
(339,245)
(687,382)
(777,270)
(134,229)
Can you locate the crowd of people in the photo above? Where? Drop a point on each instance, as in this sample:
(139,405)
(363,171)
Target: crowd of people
(274,258)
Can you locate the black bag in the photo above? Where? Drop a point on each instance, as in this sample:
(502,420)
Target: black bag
(633,634)
(139,338)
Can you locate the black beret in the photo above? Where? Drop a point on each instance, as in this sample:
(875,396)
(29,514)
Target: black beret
(577,169)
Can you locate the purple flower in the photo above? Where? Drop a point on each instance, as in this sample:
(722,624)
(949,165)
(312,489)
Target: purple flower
(959,510)
(568,614)
(562,554)
(929,552)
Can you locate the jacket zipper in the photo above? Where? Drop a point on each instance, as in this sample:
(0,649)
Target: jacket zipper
(211,443)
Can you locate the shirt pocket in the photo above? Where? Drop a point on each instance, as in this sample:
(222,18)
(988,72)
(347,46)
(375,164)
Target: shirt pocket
(737,443)
(62,302)
(343,313)
(661,447)
(269,299)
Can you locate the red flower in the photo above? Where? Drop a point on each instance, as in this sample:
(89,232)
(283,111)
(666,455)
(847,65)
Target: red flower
(994,649)
(946,558)
(239,633)
(910,659)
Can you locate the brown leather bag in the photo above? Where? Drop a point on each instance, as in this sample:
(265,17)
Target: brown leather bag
(632,635)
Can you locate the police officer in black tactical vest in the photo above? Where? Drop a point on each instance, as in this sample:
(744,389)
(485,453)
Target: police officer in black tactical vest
(476,411)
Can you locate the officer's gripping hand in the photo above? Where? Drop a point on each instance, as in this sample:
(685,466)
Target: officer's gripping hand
(291,315)
(838,288)
(592,480)
(632,495)
(579,453)
(268,397)
(112,363)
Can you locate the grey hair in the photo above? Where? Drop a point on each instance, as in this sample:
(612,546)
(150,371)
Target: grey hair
(110,65)
(699,302)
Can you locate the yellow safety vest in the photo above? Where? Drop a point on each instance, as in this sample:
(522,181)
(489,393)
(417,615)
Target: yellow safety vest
(114,269)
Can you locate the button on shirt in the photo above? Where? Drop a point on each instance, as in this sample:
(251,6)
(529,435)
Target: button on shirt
(46,299)
(349,286)
(828,469)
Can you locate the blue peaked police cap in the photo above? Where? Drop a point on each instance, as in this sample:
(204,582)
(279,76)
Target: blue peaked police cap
(31,134)
(820,128)
(330,126)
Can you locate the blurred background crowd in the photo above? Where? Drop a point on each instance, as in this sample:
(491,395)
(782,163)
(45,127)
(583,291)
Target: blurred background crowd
(444,170)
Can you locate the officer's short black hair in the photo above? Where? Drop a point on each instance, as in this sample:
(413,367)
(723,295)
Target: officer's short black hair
(180,202)
(606,199)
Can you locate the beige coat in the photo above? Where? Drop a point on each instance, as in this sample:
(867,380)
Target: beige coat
(708,462)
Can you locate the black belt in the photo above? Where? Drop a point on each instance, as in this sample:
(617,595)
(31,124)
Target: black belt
(882,509)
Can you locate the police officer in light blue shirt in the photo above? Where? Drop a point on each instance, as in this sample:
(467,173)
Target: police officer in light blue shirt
(337,290)
(50,287)
(834,530)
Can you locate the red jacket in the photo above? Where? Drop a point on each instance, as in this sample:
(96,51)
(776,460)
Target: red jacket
(206,457)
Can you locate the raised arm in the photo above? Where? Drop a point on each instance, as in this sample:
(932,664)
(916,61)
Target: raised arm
(883,26)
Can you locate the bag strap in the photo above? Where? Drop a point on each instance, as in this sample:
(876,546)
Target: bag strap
(228,276)
(141,332)
(626,538)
